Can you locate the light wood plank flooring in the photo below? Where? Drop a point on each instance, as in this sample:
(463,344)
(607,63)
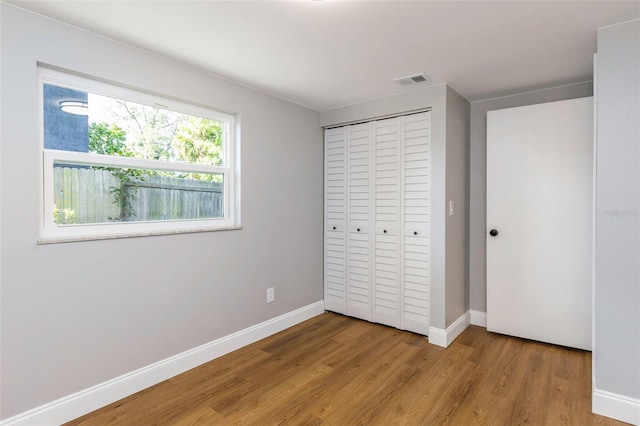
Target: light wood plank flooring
(336,370)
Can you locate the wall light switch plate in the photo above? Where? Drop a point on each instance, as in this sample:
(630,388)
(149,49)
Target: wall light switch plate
(450,207)
(270,295)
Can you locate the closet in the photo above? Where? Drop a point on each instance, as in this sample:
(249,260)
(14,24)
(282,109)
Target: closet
(377,221)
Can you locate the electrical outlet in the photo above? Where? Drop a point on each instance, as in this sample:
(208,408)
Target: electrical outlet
(270,295)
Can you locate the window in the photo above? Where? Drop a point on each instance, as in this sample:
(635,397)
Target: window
(118,162)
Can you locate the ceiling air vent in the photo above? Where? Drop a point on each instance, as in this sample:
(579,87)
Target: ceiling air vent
(412,79)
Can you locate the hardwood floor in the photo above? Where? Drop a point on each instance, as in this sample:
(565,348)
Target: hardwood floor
(336,370)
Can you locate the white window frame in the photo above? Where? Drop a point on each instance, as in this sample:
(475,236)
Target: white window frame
(51,232)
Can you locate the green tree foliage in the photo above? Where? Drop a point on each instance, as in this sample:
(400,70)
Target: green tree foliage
(126,194)
(151,133)
(109,139)
(143,131)
(64,216)
(199,140)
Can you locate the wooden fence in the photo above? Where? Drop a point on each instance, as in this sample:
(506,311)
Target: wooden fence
(86,195)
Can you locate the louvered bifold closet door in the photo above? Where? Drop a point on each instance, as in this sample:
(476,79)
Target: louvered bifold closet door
(358,217)
(416,176)
(335,267)
(386,283)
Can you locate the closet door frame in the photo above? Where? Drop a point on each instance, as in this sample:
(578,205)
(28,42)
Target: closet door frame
(397,226)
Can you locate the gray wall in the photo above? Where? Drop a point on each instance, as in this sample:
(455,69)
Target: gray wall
(617,284)
(76,314)
(477,176)
(457,288)
(436,98)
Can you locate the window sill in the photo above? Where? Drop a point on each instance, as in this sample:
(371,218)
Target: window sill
(59,240)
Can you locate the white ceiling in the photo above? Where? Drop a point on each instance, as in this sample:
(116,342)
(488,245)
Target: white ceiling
(325,54)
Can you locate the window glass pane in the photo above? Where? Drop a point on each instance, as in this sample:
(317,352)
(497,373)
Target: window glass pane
(90,194)
(79,121)
(119,162)
(62,130)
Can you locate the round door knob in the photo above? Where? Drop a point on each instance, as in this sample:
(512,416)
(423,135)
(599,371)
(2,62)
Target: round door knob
(385,231)
(493,232)
(415,232)
(334,228)
(358,229)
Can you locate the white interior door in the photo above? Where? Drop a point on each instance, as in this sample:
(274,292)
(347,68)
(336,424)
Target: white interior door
(359,205)
(539,201)
(386,283)
(335,268)
(416,255)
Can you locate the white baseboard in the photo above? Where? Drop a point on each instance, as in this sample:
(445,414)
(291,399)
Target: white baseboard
(437,336)
(444,338)
(83,402)
(478,318)
(616,406)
